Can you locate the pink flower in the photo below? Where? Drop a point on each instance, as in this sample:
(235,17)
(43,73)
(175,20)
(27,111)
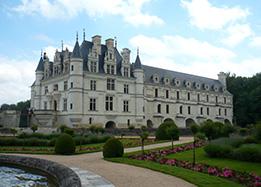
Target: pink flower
(171,162)
(227,173)
(212,171)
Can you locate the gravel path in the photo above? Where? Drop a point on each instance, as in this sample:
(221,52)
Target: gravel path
(120,175)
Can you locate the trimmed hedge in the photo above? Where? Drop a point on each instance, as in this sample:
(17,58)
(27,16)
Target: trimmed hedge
(38,135)
(248,152)
(64,145)
(161,133)
(215,150)
(113,148)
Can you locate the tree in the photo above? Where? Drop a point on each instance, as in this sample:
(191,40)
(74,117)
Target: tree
(144,135)
(173,133)
(13,131)
(194,129)
(208,129)
(34,128)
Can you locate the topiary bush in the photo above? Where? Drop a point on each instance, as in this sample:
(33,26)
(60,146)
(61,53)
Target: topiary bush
(215,150)
(250,140)
(161,132)
(248,152)
(113,148)
(200,136)
(64,145)
(69,131)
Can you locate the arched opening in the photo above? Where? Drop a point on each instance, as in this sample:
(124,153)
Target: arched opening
(189,122)
(168,120)
(55,105)
(227,122)
(110,125)
(149,123)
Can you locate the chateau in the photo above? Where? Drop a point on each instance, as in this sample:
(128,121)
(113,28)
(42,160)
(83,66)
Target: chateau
(97,84)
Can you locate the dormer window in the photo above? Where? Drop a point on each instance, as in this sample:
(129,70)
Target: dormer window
(155,78)
(177,82)
(93,66)
(197,85)
(166,80)
(110,56)
(188,84)
(110,69)
(215,88)
(206,86)
(126,72)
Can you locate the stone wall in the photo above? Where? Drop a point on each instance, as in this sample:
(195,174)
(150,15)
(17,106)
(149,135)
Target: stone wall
(65,177)
(10,118)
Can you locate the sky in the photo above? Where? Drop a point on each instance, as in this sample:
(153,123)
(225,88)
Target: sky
(201,37)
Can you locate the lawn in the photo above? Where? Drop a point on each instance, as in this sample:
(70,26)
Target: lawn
(199,179)
(201,157)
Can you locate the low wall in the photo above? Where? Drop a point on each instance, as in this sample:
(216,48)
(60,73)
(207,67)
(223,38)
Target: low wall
(65,177)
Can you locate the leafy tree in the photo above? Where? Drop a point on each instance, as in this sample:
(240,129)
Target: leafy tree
(34,128)
(13,131)
(143,136)
(173,133)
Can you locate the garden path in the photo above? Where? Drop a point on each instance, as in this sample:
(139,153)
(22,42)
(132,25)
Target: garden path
(121,175)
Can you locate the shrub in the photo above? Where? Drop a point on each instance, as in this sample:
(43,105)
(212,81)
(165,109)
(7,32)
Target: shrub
(143,128)
(34,128)
(194,129)
(112,148)
(243,131)
(161,132)
(38,135)
(131,127)
(250,139)
(69,131)
(64,144)
(248,152)
(62,128)
(258,131)
(200,136)
(234,142)
(215,150)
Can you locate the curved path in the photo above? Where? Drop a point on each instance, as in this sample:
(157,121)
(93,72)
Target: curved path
(121,175)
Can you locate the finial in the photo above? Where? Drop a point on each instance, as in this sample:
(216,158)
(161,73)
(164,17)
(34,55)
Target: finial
(115,38)
(77,36)
(41,53)
(138,51)
(62,45)
(83,34)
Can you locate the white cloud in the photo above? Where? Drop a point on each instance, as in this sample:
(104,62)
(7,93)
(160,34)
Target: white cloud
(236,34)
(192,56)
(44,38)
(50,50)
(16,76)
(255,41)
(130,10)
(206,16)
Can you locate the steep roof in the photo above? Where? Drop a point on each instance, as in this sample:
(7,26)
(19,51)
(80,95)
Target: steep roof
(40,66)
(137,64)
(76,50)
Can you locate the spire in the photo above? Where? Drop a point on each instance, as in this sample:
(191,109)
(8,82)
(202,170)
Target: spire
(115,38)
(137,64)
(76,50)
(83,34)
(40,66)
(62,44)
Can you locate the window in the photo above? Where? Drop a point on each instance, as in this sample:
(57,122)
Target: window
(128,122)
(72,67)
(219,111)
(198,97)
(201,110)
(225,111)
(177,95)
(207,111)
(167,109)
(188,96)
(225,100)
(71,106)
(109,103)
(126,72)
(180,109)
(92,104)
(45,105)
(156,92)
(189,110)
(64,104)
(93,66)
(207,98)
(65,85)
(45,89)
(126,88)
(93,85)
(110,69)
(167,94)
(125,106)
(110,56)
(90,120)
(216,99)
(71,84)
(55,87)
(110,84)
(159,108)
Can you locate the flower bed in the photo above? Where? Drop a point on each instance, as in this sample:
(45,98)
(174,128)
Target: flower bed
(245,178)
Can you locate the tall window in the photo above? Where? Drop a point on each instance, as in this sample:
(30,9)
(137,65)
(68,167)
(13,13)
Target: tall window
(64,104)
(156,92)
(109,103)
(110,69)
(198,97)
(72,68)
(177,95)
(207,111)
(180,109)
(126,88)
(167,109)
(201,110)
(46,89)
(167,94)
(207,98)
(126,72)
(65,85)
(45,105)
(188,96)
(55,87)
(159,108)
(225,100)
(92,104)
(225,111)
(71,106)
(216,99)
(71,84)
(125,106)
(189,110)
(93,85)
(93,66)
(219,111)
(110,84)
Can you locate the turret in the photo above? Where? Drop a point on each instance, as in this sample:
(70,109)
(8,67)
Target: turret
(222,77)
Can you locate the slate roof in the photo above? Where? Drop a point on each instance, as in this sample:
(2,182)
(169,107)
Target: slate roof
(40,66)
(76,51)
(137,64)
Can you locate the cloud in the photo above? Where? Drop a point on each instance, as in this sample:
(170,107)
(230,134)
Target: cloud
(130,10)
(44,38)
(16,76)
(236,34)
(255,41)
(206,16)
(192,56)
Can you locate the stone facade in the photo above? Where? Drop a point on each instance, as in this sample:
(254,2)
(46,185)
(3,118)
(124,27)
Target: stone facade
(95,84)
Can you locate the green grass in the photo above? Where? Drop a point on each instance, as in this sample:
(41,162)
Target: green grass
(199,179)
(201,157)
